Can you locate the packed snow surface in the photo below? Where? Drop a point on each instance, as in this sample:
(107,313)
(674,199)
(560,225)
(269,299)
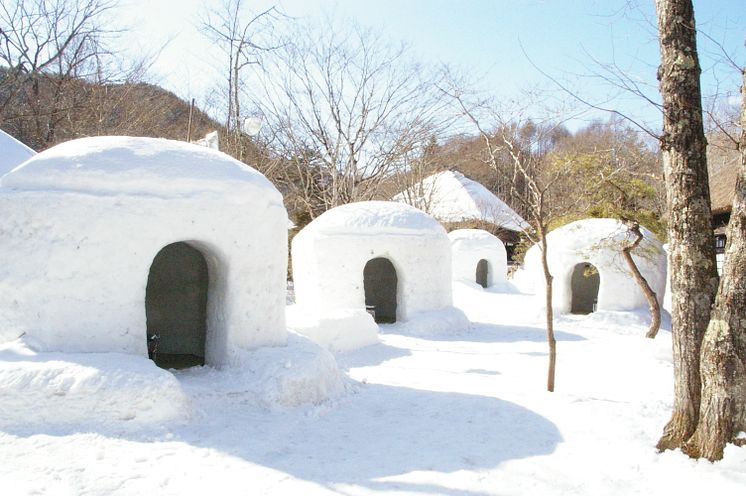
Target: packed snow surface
(597,242)
(449,196)
(452,413)
(12,152)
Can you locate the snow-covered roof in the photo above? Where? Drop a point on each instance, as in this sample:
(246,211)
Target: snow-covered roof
(127,165)
(452,197)
(371,218)
(12,152)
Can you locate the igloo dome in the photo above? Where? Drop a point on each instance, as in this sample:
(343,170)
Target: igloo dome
(12,152)
(478,257)
(141,245)
(389,258)
(589,272)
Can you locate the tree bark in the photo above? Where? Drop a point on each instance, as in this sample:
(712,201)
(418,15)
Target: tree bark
(692,253)
(723,364)
(549,310)
(655,308)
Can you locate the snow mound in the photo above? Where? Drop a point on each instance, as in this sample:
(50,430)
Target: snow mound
(431,323)
(452,197)
(288,376)
(338,330)
(12,152)
(43,389)
(120,164)
(372,218)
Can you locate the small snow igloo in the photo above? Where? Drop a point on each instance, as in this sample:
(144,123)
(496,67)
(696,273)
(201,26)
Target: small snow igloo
(12,152)
(589,272)
(369,263)
(478,257)
(142,246)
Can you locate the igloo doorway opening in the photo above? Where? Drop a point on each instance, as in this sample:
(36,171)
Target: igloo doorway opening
(176,307)
(585,284)
(380,283)
(483,271)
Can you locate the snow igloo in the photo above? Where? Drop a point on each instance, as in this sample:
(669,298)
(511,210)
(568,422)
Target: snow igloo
(12,152)
(589,272)
(368,263)
(478,257)
(142,246)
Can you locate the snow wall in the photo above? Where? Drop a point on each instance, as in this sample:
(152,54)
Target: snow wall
(82,222)
(469,247)
(329,259)
(598,242)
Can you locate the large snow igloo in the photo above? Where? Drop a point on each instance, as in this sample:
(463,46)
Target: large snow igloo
(108,242)
(369,263)
(589,272)
(478,257)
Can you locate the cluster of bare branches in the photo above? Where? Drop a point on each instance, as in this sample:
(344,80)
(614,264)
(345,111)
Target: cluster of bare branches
(245,37)
(56,64)
(344,109)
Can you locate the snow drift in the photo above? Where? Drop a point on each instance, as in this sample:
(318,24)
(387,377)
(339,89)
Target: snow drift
(53,389)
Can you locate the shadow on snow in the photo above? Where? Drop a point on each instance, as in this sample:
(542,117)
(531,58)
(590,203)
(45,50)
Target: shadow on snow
(493,333)
(380,431)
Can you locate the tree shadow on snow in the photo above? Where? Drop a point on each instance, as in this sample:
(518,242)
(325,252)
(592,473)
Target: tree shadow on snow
(494,333)
(384,431)
(374,354)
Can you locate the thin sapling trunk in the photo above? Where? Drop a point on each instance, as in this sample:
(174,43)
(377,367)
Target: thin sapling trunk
(655,309)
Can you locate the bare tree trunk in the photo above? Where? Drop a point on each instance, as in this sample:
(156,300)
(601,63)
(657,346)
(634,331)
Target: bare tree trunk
(655,309)
(550,311)
(692,254)
(723,364)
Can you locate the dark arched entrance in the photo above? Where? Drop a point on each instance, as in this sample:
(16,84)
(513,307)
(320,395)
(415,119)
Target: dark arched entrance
(584,286)
(380,281)
(482,272)
(176,307)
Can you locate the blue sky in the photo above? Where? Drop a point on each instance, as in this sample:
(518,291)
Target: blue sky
(482,38)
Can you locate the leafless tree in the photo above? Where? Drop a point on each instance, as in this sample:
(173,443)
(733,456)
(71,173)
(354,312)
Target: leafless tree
(51,52)
(708,341)
(244,36)
(722,409)
(517,150)
(345,108)
(691,242)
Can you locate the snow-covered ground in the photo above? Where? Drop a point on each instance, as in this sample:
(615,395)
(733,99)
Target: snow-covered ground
(449,413)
